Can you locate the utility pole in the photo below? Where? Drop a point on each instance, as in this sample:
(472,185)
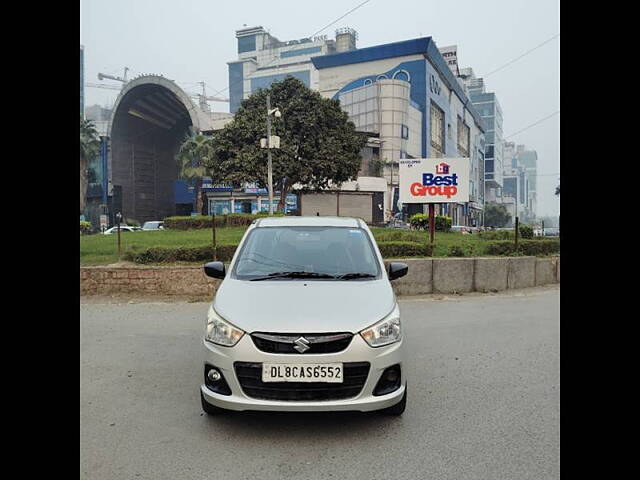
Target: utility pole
(269,164)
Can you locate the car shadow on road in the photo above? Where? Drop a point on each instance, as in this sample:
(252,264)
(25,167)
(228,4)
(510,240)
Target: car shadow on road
(299,423)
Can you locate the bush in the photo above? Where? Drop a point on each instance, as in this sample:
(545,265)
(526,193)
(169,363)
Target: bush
(420,221)
(525,231)
(525,247)
(85,227)
(393,235)
(204,221)
(404,249)
(180,254)
(497,235)
(457,251)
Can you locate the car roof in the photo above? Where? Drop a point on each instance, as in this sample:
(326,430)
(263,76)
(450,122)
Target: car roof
(308,222)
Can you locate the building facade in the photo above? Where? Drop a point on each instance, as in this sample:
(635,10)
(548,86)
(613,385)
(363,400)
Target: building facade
(488,107)
(407,94)
(82,80)
(263,59)
(528,159)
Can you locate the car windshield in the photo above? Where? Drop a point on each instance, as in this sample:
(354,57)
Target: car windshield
(330,253)
(151,225)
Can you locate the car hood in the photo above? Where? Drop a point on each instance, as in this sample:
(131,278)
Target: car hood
(304,306)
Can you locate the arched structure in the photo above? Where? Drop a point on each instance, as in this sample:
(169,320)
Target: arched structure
(151,117)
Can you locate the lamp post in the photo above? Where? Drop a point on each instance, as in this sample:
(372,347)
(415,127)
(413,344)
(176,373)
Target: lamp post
(118,220)
(277,114)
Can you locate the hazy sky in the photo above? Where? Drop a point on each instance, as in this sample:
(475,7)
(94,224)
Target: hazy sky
(191,40)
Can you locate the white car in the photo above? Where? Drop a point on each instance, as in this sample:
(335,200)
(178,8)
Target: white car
(305,319)
(153,226)
(123,229)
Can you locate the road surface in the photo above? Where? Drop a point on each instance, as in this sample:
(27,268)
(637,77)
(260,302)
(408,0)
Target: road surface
(483,402)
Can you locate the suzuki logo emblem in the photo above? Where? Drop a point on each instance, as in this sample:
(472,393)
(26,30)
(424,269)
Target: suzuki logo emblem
(302,344)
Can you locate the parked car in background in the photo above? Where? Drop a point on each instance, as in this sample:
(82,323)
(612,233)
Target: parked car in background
(123,228)
(551,232)
(154,225)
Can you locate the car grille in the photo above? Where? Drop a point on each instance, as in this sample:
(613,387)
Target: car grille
(250,378)
(317,343)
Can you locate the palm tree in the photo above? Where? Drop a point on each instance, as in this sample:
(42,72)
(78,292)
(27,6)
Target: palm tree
(194,154)
(89,148)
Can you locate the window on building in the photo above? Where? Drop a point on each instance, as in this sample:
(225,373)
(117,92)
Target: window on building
(401,75)
(247,44)
(488,166)
(489,151)
(463,137)
(437,130)
(404,132)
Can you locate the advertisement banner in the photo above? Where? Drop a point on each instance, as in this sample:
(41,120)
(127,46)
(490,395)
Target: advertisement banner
(434,180)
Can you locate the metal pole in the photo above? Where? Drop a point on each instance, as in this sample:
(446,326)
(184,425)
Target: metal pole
(432,222)
(517,233)
(269,164)
(213,227)
(118,217)
(543,228)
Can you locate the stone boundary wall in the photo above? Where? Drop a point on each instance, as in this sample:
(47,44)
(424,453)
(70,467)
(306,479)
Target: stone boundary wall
(426,275)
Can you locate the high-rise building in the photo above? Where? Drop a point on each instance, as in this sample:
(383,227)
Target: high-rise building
(489,109)
(82,80)
(528,159)
(263,59)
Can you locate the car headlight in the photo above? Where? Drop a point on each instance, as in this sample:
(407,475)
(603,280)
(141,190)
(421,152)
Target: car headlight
(221,332)
(385,332)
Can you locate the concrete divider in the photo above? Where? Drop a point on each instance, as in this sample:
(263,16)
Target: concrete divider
(490,274)
(453,275)
(426,275)
(418,280)
(521,272)
(546,271)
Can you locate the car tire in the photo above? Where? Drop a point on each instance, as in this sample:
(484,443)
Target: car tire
(397,409)
(208,408)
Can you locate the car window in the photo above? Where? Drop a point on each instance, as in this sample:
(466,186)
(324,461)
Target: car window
(323,250)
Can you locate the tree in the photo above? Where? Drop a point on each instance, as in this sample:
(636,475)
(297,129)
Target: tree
(319,146)
(558,190)
(496,215)
(89,149)
(195,153)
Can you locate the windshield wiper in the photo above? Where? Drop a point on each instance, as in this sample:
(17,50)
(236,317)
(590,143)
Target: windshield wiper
(349,276)
(293,275)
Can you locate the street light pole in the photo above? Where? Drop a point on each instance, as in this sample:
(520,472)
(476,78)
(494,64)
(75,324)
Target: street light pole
(269,164)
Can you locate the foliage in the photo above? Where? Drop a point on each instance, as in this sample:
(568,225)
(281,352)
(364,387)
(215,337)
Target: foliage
(525,247)
(85,227)
(558,190)
(180,254)
(319,146)
(404,249)
(496,215)
(420,221)
(525,231)
(204,221)
(89,149)
(497,235)
(196,159)
(132,222)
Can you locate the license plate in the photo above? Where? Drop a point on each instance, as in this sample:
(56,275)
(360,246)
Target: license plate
(302,372)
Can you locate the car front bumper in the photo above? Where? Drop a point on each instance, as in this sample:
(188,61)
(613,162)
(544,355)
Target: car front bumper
(380,358)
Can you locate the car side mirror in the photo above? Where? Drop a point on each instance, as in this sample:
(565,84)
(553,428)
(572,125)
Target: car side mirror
(397,270)
(214,269)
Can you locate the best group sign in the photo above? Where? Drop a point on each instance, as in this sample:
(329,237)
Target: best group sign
(434,180)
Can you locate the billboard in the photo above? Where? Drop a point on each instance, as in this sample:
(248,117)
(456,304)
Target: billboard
(434,180)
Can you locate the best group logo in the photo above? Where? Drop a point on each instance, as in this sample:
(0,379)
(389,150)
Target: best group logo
(442,183)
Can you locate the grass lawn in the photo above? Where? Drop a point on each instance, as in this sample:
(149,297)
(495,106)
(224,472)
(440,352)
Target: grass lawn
(102,249)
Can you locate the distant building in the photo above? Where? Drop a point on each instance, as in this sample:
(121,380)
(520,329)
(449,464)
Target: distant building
(100,116)
(489,109)
(528,159)
(263,59)
(82,80)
